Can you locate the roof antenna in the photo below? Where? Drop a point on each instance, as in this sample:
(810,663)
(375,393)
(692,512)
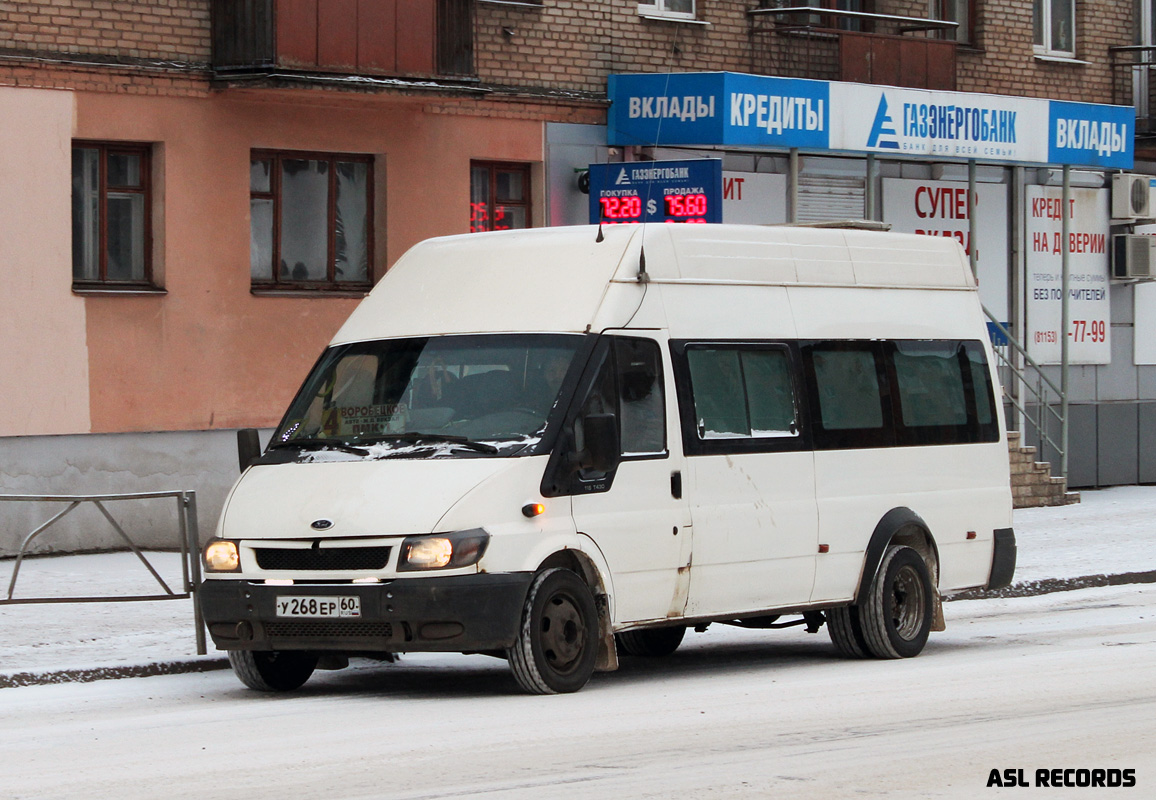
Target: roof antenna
(600,237)
(643,275)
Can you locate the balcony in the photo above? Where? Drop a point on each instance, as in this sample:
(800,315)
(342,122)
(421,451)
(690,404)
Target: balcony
(1134,84)
(801,41)
(366,38)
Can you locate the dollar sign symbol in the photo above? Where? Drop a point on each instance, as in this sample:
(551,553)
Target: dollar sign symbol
(651,206)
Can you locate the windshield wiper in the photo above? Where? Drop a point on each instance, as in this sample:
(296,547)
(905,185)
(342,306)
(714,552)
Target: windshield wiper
(416,437)
(316,444)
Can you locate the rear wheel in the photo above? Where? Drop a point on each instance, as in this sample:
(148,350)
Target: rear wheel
(558,642)
(845,631)
(652,642)
(897,614)
(272,670)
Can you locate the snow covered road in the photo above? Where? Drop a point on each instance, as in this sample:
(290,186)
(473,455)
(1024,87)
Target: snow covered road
(1058,681)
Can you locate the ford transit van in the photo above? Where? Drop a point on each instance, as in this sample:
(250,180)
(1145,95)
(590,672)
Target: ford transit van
(566,446)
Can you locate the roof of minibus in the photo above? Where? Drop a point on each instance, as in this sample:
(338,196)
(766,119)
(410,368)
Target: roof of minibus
(558,279)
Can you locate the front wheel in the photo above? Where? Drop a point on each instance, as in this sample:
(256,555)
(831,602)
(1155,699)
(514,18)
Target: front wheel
(558,641)
(896,617)
(272,670)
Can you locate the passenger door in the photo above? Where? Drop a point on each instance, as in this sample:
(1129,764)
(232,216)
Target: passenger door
(751,477)
(636,513)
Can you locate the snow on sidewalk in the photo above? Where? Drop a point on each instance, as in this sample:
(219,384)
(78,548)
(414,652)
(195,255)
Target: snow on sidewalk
(1112,531)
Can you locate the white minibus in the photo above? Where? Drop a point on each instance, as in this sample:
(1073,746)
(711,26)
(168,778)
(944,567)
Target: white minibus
(565,446)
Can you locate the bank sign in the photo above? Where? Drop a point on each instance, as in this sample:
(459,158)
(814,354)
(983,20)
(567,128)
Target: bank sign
(657,191)
(733,109)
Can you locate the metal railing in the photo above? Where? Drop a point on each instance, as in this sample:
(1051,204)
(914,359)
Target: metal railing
(798,16)
(245,36)
(797,40)
(1033,395)
(1132,83)
(188,544)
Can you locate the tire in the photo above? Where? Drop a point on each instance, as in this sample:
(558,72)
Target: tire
(557,643)
(272,670)
(898,612)
(845,631)
(653,642)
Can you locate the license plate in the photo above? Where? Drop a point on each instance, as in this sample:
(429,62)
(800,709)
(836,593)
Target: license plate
(318,607)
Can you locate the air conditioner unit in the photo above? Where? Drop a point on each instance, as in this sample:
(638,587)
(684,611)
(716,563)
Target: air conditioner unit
(1130,196)
(1133,257)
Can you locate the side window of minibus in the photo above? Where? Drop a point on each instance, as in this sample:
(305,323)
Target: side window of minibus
(628,385)
(849,396)
(943,392)
(641,409)
(742,392)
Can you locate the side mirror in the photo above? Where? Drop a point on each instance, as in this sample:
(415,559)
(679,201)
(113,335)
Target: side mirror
(600,433)
(248,447)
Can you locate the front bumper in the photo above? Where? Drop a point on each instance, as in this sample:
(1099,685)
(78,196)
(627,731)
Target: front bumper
(451,614)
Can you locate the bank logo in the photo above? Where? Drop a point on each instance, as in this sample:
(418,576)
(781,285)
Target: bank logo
(622,179)
(883,125)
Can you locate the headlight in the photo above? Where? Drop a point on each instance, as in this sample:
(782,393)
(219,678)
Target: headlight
(221,556)
(444,551)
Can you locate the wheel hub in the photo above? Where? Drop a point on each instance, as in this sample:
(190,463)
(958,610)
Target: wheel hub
(907,602)
(563,632)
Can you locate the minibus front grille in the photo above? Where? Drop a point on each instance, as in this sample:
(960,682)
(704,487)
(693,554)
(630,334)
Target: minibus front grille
(317,559)
(303,629)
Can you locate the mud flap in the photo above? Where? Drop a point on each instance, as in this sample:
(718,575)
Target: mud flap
(938,623)
(607,649)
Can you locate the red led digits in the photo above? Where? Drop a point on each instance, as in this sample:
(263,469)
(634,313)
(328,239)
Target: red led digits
(691,206)
(622,209)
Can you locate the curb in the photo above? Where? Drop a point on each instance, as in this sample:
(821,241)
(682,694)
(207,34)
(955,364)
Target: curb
(1050,585)
(111,673)
(1025,589)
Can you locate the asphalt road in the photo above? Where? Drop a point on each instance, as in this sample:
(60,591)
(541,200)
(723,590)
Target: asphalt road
(1060,681)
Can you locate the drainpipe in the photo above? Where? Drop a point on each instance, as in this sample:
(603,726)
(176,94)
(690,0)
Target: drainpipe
(1065,317)
(793,187)
(869,194)
(972,228)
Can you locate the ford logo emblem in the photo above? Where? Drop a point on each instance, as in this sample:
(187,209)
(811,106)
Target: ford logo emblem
(322,524)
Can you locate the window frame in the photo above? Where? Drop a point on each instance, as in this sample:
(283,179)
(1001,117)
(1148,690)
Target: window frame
(493,168)
(330,284)
(106,148)
(1044,10)
(658,9)
(964,34)
(694,446)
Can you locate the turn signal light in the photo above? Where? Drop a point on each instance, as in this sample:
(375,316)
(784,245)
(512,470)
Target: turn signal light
(533,509)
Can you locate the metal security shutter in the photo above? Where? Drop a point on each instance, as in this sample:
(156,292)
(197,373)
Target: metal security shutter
(823,198)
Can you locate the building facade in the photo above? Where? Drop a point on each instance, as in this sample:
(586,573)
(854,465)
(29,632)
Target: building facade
(197,193)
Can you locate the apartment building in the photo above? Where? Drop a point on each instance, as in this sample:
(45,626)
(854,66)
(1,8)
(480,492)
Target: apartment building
(195,193)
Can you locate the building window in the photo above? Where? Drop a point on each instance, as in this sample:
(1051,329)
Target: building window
(499,196)
(1054,27)
(111,215)
(959,12)
(311,221)
(674,9)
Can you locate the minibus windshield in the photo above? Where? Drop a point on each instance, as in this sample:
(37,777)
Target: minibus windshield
(436,396)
